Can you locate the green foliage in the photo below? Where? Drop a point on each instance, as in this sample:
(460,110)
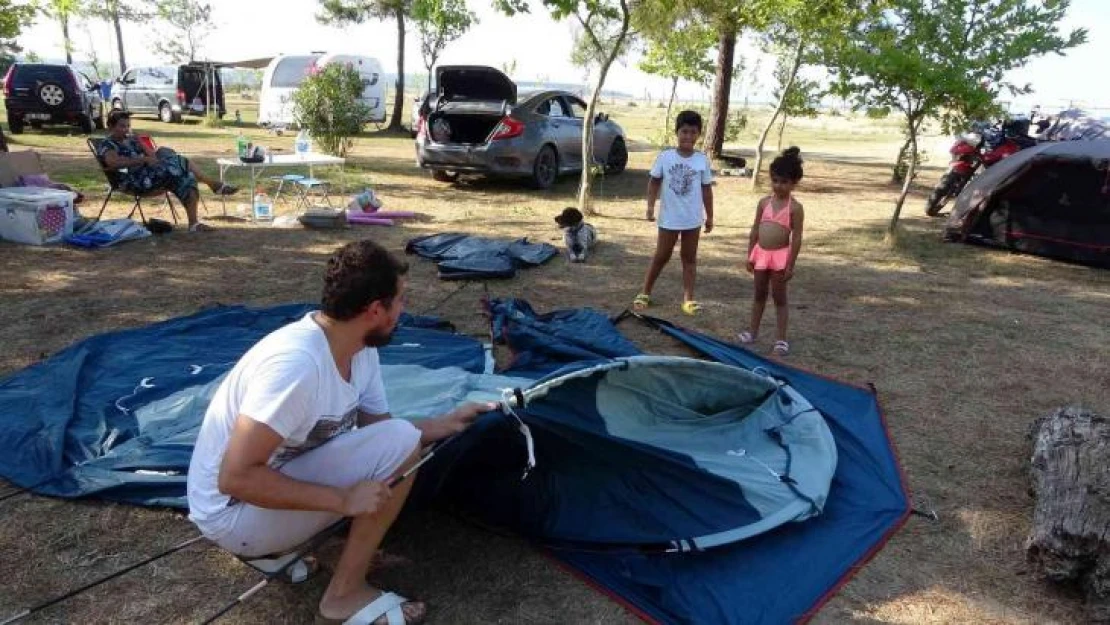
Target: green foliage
(878,112)
(13,17)
(947,58)
(944,59)
(440,22)
(682,55)
(328,105)
(188,23)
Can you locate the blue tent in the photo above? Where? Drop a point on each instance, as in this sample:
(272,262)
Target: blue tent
(727,490)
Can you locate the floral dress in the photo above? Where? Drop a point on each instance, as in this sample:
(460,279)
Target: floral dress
(171,173)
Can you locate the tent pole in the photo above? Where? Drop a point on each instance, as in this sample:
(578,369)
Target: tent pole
(46,604)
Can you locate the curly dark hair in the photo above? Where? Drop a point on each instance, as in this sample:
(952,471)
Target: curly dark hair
(116,116)
(688,118)
(788,165)
(359,274)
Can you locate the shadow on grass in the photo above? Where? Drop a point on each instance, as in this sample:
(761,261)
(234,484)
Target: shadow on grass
(932,324)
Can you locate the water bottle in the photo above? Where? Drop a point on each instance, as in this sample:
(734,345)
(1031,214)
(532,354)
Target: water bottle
(241,146)
(263,209)
(302,145)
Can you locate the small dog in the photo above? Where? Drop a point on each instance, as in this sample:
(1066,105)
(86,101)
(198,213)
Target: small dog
(578,235)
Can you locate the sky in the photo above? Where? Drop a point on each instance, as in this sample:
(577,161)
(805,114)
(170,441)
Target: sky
(539,46)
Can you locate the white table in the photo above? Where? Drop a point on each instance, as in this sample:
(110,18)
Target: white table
(287,161)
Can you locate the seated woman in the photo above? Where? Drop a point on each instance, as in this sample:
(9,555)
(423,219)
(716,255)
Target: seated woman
(148,170)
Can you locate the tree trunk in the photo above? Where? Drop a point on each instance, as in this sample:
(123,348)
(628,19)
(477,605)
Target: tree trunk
(585,188)
(670,105)
(119,38)
(781,104)
(782,128)
(910,173)
(1071,516)
(399,97)
(894,174)
(722,85)
(64,20)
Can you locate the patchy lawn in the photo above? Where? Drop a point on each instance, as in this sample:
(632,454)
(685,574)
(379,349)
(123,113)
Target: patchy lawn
(966,346)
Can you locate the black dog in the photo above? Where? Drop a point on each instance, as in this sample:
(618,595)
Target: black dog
(578,235)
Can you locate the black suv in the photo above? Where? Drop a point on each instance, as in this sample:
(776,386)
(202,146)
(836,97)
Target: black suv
(37,94)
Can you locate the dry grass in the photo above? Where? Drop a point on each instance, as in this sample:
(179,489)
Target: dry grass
(966,345)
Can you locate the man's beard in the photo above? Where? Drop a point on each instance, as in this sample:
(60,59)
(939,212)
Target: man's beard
(377,338)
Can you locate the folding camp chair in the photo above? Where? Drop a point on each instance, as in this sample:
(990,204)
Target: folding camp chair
(115,180)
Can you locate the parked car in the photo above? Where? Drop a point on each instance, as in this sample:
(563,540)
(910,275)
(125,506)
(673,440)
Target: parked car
(170,92)
(284,75)
(419,110)
(37,94)
(476,123)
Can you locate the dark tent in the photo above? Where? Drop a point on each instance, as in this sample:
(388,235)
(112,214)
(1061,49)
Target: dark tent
(1052,200)
(725,490)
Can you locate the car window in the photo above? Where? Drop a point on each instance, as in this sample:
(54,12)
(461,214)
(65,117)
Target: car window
(32,74)
(128,77)
(85,81)
(160,77)
(291,71)
(555,108)
(577,108)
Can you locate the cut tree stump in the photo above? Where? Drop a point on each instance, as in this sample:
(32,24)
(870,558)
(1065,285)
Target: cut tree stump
(1071,518)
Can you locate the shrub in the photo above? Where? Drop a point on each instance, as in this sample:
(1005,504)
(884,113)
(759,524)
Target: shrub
(327,104)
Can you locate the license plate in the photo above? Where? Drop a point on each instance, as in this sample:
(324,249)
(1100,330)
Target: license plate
(37,116)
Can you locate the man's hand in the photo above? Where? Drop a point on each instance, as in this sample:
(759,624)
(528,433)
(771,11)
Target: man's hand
(650,214)
(708,226)
(454,422)
(365,497)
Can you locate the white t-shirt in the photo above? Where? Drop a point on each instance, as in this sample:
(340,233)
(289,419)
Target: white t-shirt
(288,381)
(683,177)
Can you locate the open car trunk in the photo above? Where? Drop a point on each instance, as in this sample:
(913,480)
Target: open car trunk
(470,102)
(194,82)
(468,128)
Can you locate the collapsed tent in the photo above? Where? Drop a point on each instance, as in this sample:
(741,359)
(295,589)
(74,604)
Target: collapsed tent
(468,257)
(1052,200)
(727,490)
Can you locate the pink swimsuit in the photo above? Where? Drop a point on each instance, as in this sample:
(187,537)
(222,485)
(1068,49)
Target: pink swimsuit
(773,260)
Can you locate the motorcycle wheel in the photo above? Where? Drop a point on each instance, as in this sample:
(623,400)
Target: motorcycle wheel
(939,197)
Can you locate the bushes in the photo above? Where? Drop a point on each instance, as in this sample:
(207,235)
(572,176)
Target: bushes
(328,105)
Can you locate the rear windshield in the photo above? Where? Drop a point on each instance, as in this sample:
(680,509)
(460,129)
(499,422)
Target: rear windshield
(195,78)
(26,75)
(291,71)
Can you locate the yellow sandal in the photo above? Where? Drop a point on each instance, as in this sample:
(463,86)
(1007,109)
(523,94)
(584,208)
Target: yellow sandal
(641,301)
(691,307)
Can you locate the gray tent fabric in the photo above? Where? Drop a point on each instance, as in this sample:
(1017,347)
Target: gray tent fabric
(1052,199)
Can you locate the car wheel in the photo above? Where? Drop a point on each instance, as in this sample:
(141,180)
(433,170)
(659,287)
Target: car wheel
(52,94)
(99,121)
(85,123)
(618,157)
(440,175)
(15,126)
(117,105)
(546,168)
(166,114)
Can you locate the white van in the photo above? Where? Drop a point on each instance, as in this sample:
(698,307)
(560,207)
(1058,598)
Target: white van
(285,74)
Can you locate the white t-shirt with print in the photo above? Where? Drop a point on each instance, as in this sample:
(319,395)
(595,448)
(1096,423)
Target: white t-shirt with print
(290,382)
(682,207)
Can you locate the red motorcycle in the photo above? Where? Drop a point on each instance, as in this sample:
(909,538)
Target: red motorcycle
(982,147)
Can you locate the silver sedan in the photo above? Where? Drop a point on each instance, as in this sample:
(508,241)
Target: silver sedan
(474,123)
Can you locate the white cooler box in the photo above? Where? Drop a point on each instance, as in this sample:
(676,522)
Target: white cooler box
(35,215)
